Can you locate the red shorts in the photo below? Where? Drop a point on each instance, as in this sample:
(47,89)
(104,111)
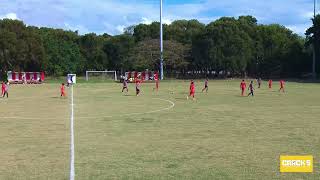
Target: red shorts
(191,93)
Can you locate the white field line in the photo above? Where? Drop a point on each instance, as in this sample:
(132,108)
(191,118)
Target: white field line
(131,114)
(72,172)
(94,117)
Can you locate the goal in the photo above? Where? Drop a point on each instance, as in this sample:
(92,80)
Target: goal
(101,75)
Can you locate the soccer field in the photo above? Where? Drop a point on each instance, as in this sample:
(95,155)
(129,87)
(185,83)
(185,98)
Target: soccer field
(160,135)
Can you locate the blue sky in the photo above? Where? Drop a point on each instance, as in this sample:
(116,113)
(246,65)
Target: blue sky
(111,16)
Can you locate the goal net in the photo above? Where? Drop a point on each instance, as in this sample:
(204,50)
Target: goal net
(101,75)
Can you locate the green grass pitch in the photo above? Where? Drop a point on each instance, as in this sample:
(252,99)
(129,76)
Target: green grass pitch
(221,135)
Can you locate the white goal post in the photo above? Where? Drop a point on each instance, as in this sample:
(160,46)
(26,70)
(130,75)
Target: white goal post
(112,74)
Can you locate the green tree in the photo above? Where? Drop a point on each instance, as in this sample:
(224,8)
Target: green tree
(62,51)
(118,50)
(91,47)
(313,37)
(21,48)
(184,31)
(146,55)
(229,46)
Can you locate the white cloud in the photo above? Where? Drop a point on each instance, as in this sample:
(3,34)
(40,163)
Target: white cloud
(80,28)
(12,16)
(110,16)
(298,28)
(146,21)
(120,28)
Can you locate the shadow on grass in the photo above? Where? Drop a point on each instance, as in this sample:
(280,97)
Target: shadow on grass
(180,98)
(129,95)
(239,96)
(58,97)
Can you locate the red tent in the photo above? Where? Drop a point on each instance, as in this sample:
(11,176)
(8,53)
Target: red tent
(143,75)
(13,76)
(20,76)
(27,76)
(42,76)
(35,76)
(135,74)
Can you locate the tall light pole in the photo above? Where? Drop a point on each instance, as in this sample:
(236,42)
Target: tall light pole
(161,43)
(314,76)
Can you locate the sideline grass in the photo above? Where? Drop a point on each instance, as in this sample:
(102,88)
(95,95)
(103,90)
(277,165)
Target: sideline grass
(219,136)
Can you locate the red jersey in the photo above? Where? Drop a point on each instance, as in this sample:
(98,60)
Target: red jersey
(3,86)
(156,77)
(282,83)
(62,88)
(192,87)
(270,83)
(243,85)
(138,82)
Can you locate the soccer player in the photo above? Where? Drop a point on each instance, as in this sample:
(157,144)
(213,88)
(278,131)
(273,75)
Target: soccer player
(125,84)
(259,82)
(69,80)
(6,90)
(2,88)
(62,91)
(251,88)
(206,85)
(156,78)
(270,84)
(192,90)
(138,84)
(243,86)
(281,86)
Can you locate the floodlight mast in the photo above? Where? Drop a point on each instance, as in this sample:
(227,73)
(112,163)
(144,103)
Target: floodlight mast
(314,76)
(161,43)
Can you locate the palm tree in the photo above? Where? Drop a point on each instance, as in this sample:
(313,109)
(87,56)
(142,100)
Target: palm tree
(313,38)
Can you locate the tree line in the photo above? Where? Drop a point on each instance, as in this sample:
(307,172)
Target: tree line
(228,46)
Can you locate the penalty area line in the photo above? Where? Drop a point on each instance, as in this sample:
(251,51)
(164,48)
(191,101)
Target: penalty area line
(93,117)
(138,113)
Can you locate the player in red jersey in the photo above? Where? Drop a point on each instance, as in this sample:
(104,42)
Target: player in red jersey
(270,84)
(6,90)
(281,86)
(3,85)
(156,79)
(206,85)
(243,86)
(138,84)
(192,90)
(62,91)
